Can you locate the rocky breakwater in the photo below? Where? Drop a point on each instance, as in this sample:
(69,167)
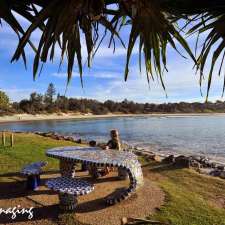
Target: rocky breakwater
(201,164)
(92,143)
(56,136)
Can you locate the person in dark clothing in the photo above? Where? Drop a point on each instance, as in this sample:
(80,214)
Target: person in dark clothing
(114,143)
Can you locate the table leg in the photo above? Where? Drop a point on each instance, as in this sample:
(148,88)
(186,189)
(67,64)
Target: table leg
(122,173)
(67,168)
(67,202)
(32,182)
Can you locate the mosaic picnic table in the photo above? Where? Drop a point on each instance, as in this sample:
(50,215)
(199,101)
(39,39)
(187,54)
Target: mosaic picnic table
(71,155)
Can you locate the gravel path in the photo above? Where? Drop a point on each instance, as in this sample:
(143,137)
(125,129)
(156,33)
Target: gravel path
(91,208)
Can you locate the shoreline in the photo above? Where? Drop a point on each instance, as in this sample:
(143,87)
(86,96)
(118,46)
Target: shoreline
(23,118)
(161,154)
(134,148)
(71,116)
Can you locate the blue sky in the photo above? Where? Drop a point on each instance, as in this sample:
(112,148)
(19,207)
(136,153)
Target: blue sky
(105,79)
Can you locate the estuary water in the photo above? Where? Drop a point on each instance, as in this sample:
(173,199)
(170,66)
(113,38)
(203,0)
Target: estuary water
(198,135)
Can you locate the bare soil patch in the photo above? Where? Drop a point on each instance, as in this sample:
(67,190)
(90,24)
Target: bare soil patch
(91,208)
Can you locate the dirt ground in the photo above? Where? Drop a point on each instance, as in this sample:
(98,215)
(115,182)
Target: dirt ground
(91,208)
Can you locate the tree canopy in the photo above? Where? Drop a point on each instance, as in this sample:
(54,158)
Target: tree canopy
(154,25)
(40,103)
(4,100)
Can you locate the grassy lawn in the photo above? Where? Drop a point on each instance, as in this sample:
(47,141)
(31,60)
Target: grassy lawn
(28,148)
(191,199)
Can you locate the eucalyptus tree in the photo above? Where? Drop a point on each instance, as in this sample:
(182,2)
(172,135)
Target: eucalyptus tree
(4,101)
(49,95)
(154,25)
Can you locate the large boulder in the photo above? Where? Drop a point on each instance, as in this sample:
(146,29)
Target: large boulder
(69,138)
(205,171)
(196,158)
(222,175)
(48,134)
(80,141)
(211,164)
(93,143)
(156,158)
(220,167)
(215,173)
(195,164)
(169,159)
(183,161)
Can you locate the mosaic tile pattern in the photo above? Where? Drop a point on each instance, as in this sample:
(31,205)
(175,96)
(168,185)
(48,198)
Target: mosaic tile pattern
(33,168)
(66,185)
(126,161)
(68,189)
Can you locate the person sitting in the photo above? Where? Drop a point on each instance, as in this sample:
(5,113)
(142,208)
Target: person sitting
(114,142)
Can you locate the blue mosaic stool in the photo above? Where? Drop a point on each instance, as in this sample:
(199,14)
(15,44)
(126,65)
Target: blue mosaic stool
(32,182)
(33,171)
(68,190)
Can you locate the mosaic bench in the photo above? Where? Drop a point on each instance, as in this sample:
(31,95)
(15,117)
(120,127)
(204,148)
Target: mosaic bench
(93,156)
(33,171)
(68,190)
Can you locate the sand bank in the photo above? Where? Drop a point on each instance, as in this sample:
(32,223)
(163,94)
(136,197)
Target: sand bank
(66,116)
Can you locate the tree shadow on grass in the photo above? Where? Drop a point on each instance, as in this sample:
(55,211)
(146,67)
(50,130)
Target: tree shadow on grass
(104,179)
(97,204)
(12,174)
(11,190)
(17,189)
(18,175)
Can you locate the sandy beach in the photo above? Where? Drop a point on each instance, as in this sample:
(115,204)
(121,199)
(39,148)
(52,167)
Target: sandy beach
(53,116)
(68,116)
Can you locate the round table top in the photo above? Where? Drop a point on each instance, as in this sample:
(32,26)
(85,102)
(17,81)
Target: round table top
(95,155)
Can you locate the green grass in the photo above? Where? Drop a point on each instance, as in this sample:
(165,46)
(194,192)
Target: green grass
(28,148)
(191,199)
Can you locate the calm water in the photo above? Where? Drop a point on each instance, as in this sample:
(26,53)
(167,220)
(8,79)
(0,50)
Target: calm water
(188,134)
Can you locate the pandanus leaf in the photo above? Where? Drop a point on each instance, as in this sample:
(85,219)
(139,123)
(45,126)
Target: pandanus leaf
(153,23)
(154,31)
(214,25)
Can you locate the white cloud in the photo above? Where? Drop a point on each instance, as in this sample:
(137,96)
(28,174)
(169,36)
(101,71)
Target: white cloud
(9,42)
(61,75)
(105,52)
(16,94)
(181,85)
(181,82)
(90,74)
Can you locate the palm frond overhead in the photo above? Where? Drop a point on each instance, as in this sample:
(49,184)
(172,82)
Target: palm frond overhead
(213,24)
(153,23)
(155,31)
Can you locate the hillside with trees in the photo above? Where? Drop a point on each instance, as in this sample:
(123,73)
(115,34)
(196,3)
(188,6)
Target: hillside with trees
(50,102)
